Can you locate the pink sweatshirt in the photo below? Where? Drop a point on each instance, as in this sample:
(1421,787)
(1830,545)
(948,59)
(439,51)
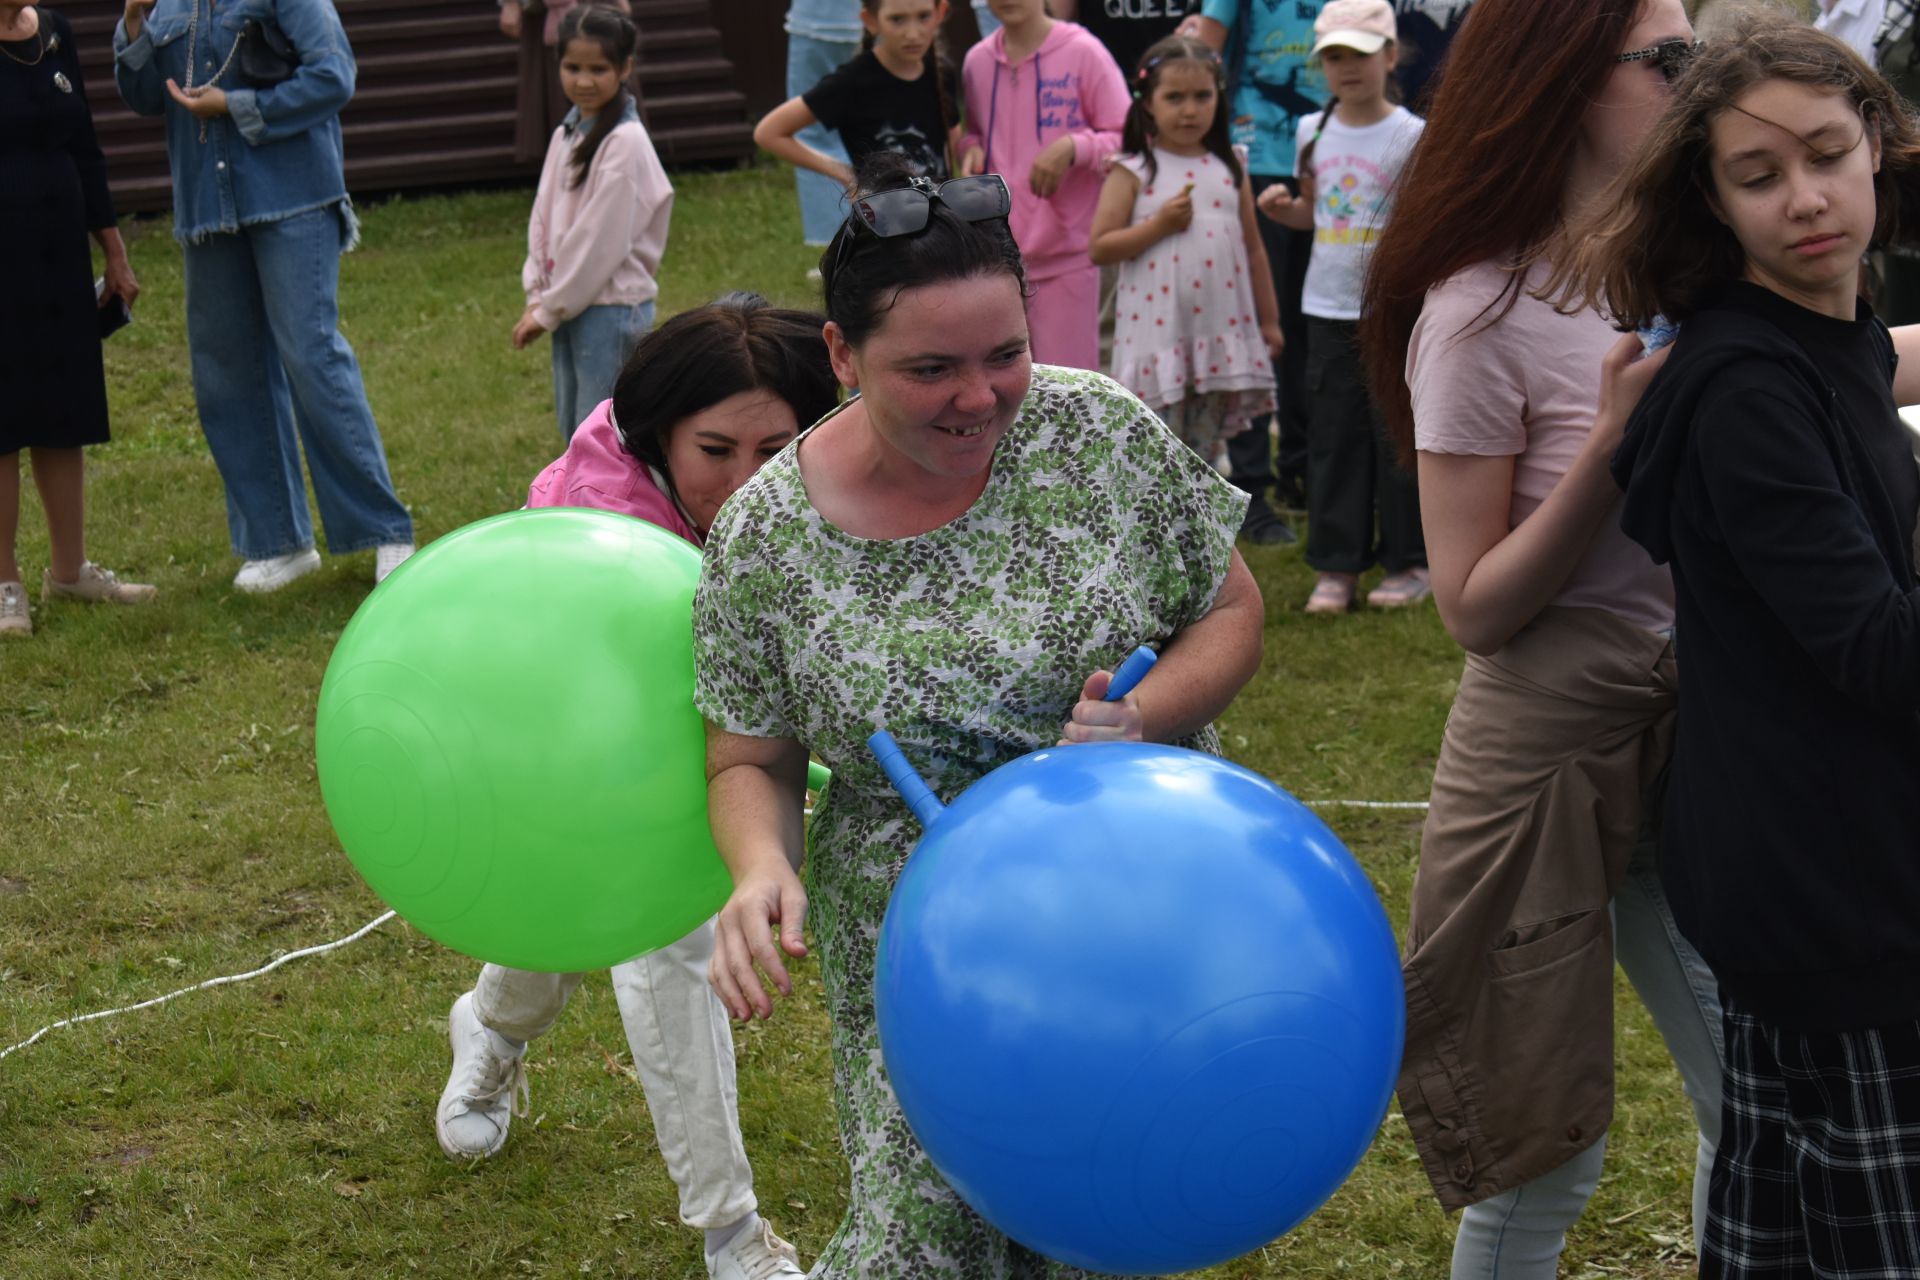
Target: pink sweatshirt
(597,472)
(1070,85)
(597,244)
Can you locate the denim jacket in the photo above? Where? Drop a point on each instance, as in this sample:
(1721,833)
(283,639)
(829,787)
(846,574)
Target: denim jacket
(277,151)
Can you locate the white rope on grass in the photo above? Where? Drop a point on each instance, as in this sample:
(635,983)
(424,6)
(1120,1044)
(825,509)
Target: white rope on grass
(375,923)
(269,967)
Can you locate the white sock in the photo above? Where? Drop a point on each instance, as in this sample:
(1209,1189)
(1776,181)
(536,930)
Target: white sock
(719,1238)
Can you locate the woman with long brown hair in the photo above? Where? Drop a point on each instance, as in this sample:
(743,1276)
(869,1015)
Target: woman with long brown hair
(1534,867)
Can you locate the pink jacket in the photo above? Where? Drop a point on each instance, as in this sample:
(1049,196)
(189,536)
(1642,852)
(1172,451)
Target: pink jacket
(596,471)
(597,244)
(1070,85)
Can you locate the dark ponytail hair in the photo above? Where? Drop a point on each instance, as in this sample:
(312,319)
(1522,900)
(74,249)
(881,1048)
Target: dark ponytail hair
(862,274)
(932,63)
(618,38)
(1136,135)
(740,342)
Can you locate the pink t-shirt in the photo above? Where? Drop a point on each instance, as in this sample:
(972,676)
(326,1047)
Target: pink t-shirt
(597,472)
(1527,385)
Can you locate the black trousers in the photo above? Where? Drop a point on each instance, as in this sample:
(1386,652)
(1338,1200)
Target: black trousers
(1250,453)
(1351,470)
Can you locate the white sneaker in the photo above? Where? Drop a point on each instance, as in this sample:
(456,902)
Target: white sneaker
(486,1090)
(389,557)
(261,576)
(14,619)
(755,1255)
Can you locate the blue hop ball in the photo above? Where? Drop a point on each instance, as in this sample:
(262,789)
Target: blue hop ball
(1139,1005)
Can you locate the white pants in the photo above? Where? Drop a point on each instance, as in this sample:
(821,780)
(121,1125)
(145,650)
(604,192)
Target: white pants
(683,1050)
(1518,1234)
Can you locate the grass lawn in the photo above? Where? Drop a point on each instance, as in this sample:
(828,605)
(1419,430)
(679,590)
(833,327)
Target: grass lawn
(160,824)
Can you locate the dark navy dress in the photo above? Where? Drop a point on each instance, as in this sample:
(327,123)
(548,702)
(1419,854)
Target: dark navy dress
(53,191)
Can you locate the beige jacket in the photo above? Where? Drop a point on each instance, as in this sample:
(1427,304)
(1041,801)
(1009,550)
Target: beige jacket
(1552,745)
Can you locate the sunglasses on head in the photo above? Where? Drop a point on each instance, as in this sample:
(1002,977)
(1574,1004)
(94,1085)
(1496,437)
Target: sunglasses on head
(905,211)
(1670,57)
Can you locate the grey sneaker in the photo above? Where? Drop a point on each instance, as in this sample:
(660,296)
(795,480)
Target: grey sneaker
(96,586)
(755,1255)
(14,619)
(486,1090)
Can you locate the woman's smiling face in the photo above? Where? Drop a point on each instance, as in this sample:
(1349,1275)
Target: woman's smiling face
(943,374)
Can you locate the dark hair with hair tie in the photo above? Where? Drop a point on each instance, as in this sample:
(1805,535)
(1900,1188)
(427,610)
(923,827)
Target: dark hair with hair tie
(1136,136)
(617,37)
(861,283)
(740,342)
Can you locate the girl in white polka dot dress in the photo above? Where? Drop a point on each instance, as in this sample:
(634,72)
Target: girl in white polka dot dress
(1196,323)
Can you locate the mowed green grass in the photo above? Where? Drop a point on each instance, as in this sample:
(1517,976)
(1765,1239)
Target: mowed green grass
(160,824)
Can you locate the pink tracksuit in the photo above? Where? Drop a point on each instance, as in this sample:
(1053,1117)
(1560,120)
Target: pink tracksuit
(1069,86)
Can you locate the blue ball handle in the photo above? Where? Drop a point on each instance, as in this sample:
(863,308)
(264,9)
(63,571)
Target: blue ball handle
(1131,673)
(914,789)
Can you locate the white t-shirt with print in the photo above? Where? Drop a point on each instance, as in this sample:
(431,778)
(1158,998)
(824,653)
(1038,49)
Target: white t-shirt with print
(1355,172)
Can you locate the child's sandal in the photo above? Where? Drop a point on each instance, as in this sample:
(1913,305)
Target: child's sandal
(1333,593)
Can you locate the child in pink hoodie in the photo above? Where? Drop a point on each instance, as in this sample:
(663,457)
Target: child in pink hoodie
(703,402)
(599,222)
(1046,103)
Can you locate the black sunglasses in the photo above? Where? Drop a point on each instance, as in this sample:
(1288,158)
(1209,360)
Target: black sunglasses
(1669,56)
(904,211)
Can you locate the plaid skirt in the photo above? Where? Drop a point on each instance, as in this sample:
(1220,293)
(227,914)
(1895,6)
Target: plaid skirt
(1818,1172)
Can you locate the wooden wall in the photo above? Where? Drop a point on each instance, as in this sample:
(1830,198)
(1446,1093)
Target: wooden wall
(435,100)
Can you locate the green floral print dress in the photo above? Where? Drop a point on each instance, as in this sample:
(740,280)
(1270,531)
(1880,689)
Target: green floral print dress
(1097,531)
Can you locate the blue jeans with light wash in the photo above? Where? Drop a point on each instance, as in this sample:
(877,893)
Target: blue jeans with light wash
(588,351)
(263,327)
(1518,1234)
(823,205)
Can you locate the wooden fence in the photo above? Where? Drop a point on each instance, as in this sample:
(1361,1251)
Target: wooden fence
(435,99)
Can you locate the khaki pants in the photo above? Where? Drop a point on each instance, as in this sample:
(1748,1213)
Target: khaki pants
(682,1049)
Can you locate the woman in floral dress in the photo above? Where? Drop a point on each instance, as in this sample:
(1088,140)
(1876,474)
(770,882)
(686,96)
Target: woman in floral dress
(959,555)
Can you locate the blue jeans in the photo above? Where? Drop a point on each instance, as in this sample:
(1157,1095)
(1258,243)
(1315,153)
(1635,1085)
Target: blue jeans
(588,351)
(823,206)
(263,326)
(1518,1234)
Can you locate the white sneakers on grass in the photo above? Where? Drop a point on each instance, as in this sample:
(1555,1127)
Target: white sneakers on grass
(755,1255)
(258,577)
(388,558)
(487,1089)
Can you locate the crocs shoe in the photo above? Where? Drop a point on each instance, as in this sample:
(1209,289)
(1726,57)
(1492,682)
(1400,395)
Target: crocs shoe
(96,586)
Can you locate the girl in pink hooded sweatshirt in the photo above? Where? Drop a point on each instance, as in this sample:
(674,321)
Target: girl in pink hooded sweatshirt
(1046,104)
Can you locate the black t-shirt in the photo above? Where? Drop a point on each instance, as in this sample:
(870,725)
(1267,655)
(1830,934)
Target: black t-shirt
(1426,29)
(874,110)
(1130,27)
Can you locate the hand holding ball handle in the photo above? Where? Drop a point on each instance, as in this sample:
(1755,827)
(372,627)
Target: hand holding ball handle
(1139,1006)
(920,798)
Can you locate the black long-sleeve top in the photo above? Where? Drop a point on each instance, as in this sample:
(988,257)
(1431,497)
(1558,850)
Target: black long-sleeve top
(1767,463)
